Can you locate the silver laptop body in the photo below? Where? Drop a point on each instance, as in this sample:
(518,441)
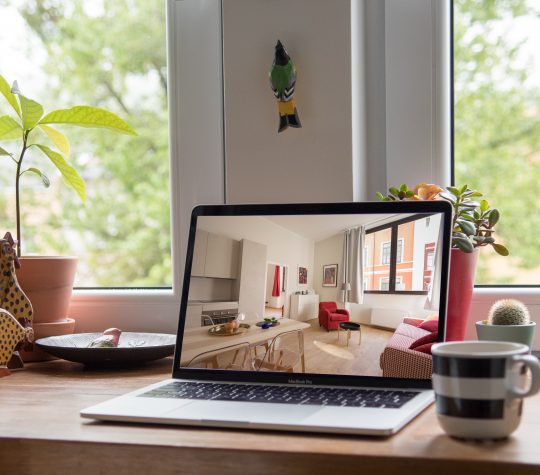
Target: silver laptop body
(300,317)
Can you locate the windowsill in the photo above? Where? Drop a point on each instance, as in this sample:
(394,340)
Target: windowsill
(149,310)
(529,295)
(125,295)
(397,292)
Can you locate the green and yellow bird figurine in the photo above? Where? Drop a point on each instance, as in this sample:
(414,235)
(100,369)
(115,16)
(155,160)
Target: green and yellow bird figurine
(283,82)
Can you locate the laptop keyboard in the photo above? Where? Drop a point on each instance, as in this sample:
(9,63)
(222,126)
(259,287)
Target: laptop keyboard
(319,396)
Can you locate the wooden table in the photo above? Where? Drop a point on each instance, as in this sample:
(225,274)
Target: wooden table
(198,340)
(41,433)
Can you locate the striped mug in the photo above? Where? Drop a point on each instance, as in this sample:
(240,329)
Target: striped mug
(480,385)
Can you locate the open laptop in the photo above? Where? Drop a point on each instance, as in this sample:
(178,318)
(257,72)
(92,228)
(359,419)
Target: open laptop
(300,317)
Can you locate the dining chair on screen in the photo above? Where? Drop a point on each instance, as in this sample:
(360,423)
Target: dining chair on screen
(284,353)
(236,357)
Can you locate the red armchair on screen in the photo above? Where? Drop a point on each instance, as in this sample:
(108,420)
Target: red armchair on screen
(330,316)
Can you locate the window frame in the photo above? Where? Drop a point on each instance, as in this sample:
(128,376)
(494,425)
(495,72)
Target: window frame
(399,251)
(193,56)
(393,226)
(515,291)
(384,254)
(405,26)
(409,139)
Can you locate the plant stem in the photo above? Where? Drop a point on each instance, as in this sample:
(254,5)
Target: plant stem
(17,195)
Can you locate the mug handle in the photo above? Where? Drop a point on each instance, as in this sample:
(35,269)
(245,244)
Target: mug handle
(530,362)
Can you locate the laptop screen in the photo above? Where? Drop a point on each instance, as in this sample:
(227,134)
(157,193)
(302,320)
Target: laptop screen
(330,293)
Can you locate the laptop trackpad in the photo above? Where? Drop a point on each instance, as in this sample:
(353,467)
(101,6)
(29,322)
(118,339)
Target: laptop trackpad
(244,411)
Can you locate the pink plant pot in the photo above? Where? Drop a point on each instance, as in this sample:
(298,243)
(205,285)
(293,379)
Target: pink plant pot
(460,290)
(48,283)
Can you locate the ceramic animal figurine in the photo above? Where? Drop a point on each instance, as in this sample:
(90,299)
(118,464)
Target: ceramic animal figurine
(283,82)
(12,334)
(15,310)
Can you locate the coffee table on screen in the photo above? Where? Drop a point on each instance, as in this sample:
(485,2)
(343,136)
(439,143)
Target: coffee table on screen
(351,327)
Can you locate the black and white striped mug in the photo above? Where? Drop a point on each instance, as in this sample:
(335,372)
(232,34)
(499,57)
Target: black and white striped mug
(480,385)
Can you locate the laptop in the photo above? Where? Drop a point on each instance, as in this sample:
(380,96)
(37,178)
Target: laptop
(301,316)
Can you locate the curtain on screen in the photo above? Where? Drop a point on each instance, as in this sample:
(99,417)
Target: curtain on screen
(352,268)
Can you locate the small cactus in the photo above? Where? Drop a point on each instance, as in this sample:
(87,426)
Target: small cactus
(508,312)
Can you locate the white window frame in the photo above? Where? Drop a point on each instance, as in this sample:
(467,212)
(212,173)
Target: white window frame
(387,244)
(197,172)
(386,280)
(403,65)
(399,250)
(416,94)
(366,256)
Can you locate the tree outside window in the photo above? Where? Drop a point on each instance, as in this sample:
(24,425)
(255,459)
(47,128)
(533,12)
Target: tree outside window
(110,54)
(497,126)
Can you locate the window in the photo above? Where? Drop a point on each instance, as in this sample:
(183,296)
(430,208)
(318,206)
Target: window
(385,284)
(366,255)
(385,253)
(429,261)
(374,269)
(401,248)
(108,54)
(497,127)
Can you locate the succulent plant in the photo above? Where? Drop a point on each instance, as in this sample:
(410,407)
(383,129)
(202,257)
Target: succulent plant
(508,312)
(473,222)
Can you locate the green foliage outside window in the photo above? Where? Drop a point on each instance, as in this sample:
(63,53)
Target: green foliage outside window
(110,55)
(497,127)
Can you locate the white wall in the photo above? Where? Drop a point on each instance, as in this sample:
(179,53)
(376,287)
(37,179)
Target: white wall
(329,251)
(322,168)
(202,288)
(417,80)
(313,163)
(251,285)
(284,246)
(414,304)
(197,143)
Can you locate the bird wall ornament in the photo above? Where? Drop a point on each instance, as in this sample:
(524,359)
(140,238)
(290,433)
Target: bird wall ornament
(15,310)
(283,82)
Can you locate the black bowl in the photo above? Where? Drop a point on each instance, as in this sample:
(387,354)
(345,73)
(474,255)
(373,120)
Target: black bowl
(133,348)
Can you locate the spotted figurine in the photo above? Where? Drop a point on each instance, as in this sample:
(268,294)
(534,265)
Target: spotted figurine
(15,310)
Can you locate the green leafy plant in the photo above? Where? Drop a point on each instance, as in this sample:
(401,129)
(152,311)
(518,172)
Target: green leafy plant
(30,119)
(473,222)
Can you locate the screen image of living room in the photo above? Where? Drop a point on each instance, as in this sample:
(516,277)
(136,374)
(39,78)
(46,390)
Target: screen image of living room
(377,271)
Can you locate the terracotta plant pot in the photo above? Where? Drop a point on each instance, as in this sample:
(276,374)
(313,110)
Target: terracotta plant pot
(460,290)
(48,283)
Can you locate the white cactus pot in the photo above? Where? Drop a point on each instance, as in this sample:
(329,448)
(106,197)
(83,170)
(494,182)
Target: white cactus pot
(514,333)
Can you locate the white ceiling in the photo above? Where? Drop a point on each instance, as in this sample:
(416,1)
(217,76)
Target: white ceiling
(320,227)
